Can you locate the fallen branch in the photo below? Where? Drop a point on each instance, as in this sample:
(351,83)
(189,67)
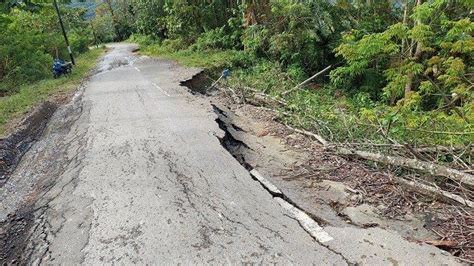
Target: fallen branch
(266,96)
(311,134)
(430,191)
(215,82)
(307,81)
(434,169)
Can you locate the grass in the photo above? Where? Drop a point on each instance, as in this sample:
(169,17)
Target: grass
(212,59)
(336,115)
(14,106)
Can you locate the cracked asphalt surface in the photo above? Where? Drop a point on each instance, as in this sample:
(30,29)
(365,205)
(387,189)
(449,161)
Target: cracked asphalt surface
(132,171)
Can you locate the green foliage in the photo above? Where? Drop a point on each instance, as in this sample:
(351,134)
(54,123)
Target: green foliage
(225,37)
(103,26)
(181,19)
(440,64)
(401,71)
(148,15)
(22,49)
(302,34)
(29,95)
(30,40)
(211,59)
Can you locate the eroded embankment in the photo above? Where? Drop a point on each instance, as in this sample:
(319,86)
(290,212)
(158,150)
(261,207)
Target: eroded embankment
(240,150)
(234,146)
(199,83)
(13,230)
(23,206)
(15,145)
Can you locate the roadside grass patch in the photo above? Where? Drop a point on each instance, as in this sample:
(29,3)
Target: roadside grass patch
(15,105)
(210,59)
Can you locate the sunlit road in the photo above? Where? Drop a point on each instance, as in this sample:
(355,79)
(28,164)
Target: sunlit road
(143,178)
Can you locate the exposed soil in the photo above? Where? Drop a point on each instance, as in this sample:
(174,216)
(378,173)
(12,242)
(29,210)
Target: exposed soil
(14,233)
(198,84)
(22,133)
(14,146)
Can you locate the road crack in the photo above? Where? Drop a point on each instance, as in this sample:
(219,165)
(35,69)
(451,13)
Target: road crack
(312,225)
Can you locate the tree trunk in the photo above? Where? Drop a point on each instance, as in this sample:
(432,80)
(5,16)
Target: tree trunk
(405,18)
(415,57)
(311,134)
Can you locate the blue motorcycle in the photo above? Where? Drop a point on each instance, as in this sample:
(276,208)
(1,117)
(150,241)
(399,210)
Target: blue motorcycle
(60,67)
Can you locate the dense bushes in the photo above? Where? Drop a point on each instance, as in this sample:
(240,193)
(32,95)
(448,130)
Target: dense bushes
(403,69)
(407,56)
(30,39)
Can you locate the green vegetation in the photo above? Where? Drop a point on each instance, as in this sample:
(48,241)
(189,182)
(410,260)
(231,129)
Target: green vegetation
(403,70)
(30,95)
(213,59)
(30,37)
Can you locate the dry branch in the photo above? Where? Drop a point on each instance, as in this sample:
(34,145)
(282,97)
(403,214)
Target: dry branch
(311,134)
(430,191)
(307,81)
(271,98)
(434,169)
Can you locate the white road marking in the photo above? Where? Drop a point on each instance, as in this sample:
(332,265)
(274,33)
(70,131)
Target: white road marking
(271,187)
(306,222)
(137,69)
(162,90)
(310,225)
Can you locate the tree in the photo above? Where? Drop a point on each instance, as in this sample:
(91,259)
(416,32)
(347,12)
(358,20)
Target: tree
(432,56)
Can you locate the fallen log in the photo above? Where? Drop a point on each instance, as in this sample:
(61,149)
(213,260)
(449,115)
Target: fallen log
(431,168)
(433,191)
(434,169)
(422,149)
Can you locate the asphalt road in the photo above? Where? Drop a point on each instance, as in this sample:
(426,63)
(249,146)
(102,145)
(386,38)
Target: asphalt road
(146,180)
(132,171)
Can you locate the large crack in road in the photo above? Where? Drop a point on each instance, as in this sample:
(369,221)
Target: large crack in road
(238,149)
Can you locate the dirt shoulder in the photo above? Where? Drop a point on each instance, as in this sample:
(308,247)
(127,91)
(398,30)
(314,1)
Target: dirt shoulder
(338,191)
(24,115)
